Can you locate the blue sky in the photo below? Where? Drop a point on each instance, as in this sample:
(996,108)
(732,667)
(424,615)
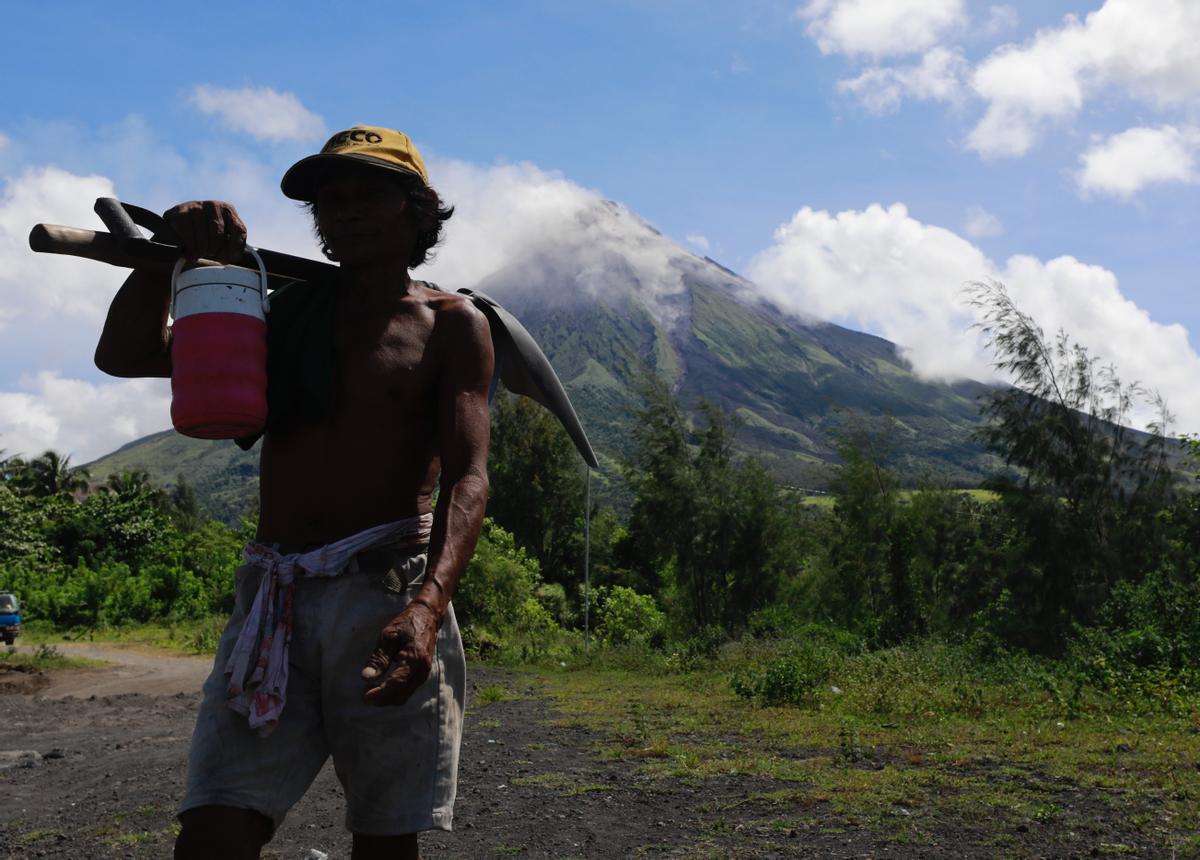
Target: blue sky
(858,159)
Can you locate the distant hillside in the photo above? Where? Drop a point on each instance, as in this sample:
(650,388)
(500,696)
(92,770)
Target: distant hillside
(606,318)
(224,476)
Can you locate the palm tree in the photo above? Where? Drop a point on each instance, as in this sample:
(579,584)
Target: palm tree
(51,475)
(14,472)
(129,483)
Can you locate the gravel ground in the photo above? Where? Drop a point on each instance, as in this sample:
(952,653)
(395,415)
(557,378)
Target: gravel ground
(97,776)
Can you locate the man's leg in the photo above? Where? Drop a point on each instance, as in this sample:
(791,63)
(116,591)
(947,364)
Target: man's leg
(240,785)
(223,831)
(397,764)
(385,847)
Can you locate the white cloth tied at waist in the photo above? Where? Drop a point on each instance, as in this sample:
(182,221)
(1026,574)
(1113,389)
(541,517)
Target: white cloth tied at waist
(258,667)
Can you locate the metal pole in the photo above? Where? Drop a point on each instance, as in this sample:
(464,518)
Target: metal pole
(587,557)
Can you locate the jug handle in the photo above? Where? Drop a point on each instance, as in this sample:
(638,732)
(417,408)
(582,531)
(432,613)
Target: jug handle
(262,280)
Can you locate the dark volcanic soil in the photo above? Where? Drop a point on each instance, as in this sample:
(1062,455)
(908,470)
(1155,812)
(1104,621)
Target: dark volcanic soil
(98,777)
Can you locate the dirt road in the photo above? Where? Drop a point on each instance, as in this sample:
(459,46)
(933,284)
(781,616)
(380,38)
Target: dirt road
(129,669)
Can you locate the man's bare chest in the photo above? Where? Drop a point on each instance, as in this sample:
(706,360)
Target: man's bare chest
(385,363)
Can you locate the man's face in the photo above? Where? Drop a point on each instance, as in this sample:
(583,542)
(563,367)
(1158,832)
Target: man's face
(361,215)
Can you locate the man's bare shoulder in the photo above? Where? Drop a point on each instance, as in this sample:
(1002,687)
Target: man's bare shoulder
(456,314)
(461,333)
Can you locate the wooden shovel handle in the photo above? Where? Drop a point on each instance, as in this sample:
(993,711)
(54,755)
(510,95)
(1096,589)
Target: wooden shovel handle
(106,248)
(151,256)
(92,245)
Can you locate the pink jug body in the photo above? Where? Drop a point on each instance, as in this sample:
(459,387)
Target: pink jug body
(219,375)
(219,352)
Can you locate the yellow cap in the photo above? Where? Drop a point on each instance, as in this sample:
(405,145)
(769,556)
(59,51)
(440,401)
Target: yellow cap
(364,144)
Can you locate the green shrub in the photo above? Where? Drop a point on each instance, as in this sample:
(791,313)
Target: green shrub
(497,601)
(772,622)
(128,598)
(553,596)
(206,635)
(791,679)
(497,582)
(629,618)
(696,651)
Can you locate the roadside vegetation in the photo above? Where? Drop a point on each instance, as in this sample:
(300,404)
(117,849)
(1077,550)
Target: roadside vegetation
(1017,661)
(44,657)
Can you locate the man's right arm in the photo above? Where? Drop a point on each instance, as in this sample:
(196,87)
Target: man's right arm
(135,340)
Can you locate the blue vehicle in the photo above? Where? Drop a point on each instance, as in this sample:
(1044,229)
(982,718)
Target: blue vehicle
(10,617)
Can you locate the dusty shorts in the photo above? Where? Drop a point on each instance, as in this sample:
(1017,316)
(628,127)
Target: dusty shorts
(398,765)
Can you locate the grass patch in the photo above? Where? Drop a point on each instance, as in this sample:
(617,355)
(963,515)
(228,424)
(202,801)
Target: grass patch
(114,838)
(142,837)
(491,694)
(826,501)
(561,782)
(154,809)
(199,636)
(35,836)
(1188,849)
(47,658)
(906,742)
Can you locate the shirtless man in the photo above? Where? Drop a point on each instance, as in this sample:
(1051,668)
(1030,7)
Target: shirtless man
(375,673)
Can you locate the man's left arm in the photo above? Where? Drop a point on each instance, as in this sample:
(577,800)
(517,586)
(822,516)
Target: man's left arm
(405,652)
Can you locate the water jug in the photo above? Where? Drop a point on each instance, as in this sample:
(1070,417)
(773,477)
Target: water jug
(219,350)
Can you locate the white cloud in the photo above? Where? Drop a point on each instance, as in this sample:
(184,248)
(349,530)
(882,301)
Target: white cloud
(516,223)
(980,223)
(260,112)
(697,241)
(51,307)
(886,272)
(1124,164)
(1145,49)
(880,28)
(937,77)
(39,286)
(1000,19)
(510,219)
(85,419)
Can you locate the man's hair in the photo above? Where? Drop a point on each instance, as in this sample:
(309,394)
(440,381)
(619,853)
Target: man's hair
(424,207)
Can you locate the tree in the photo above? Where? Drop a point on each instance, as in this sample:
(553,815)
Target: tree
(14,473)
(185,509)
(537,485)
(1086,489)
(861,552)
(704,521)
(47,475)
(128,483)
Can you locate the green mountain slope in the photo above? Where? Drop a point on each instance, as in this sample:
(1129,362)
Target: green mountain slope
(794,386)
(224,476)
